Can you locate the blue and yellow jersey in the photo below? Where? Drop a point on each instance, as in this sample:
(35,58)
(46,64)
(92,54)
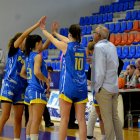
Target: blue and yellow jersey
(13,68)
(73,81)
(32,80)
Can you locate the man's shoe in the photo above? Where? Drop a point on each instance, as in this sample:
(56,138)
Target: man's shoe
(73,126)
(49,124)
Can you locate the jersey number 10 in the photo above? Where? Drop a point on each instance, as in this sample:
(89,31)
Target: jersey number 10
(78,63)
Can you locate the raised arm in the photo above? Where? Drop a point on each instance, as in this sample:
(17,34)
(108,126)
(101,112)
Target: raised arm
(59,44)
(18,42)
(55,27)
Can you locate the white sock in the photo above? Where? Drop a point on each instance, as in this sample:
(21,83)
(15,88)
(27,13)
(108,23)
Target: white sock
(103,137)
(33,136)
(16,138)
(27,137)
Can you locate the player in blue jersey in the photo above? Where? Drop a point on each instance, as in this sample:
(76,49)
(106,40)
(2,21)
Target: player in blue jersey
(36,73)
(13,86)
(73,82)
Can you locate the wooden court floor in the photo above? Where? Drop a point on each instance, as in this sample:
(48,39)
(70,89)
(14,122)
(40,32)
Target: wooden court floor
(52,132)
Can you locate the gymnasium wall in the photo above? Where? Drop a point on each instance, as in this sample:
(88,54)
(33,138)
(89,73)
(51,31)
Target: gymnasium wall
(17,15)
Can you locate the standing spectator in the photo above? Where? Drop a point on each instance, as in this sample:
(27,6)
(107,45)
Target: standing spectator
(106,82)
(137,71)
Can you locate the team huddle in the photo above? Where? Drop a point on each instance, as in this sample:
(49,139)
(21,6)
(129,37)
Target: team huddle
(26,79)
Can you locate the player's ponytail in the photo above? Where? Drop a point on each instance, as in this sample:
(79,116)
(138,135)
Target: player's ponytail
(30,43)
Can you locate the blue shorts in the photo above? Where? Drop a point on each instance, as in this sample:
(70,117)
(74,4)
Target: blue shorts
(12,92)
(74,99)
(33,95)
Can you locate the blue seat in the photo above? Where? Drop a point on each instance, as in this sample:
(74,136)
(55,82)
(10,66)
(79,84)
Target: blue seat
(95,19)
(132,52)
(138,15)
(53,64)
(89,29)
(101,9)
(116,7)
(119,51)
(58,66)
(45,54)
(111,8)
(134,15)
(111,27)
(66,32)
(106,25)
(91,20)
(125,52)
(120,7)
(84,30)
(89,38)
(117,27)
(129,25)
(106,9)
(110,17)
(137,55)
(62,31)
(128,15)
(126,63)
(126,6)
(48,63)
(100,19)
(123,27)
(131,5)
(82,21)
(133,62)
(105,18)
(86,20)
(84,41)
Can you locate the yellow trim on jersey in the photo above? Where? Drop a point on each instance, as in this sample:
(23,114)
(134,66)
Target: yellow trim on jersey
(26,103)
(82,102)
(21,102)
(5,98)
(95,104)
(40,101)
(62,96)
(79,54)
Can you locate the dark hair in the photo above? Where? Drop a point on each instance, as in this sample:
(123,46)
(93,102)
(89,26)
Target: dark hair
(30,43)
(49,68)
(132,66)
(12,49)
(75,31)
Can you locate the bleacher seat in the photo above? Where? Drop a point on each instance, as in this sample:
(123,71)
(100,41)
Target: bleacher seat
(131,5)
(84,30)
(120,7)
(132,52)
(118,39)
(125,52)
(126,63)
(124,39)
(88,30)
(105,18)
(123,27)
(130,39)
(119,51)
(126,6)
(110,17)
(100,19)
(137,55)
(82,21)
(137,39)
(134,15)
(84,41)
(129,25)
(112,38)
(115,7)
(111,27)
(117,27)
(95,19)
(138,15)
(136,26)
(89,38)
(128,15)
